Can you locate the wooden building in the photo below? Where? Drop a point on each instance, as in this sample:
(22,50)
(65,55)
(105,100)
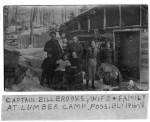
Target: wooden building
(126,26)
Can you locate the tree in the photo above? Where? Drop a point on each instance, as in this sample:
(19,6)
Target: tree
(62,15)
(32,18)
(6,12)
(83,9)
(16,17)
(71,15)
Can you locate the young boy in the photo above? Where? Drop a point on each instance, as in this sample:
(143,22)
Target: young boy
(48,67)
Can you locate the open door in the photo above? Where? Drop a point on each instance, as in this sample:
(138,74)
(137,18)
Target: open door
(127,53)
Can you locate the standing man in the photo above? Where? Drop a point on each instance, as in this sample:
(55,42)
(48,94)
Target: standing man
(53,46)
(76,47)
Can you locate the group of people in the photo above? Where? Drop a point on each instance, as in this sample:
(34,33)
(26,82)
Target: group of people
(64,64)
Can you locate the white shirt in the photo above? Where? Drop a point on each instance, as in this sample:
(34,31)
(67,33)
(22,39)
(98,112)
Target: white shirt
(62,64)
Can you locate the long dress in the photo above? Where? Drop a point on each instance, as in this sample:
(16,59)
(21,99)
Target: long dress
(75,80)
(106,56)
(60,75)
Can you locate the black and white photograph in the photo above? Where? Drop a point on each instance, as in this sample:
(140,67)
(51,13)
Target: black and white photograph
(74,60)
(76,47)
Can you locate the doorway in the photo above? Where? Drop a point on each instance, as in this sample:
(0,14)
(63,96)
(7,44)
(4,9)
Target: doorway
(127,53)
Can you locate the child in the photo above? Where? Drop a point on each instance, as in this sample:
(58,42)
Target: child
(62,64)
(48,67)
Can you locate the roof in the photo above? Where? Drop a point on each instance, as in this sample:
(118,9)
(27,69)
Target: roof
(86,12)
(97,7)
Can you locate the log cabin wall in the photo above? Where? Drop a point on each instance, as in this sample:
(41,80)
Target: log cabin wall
(117,17)
(144,67)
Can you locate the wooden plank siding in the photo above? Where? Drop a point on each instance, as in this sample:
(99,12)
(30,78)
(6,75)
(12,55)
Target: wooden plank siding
(110,17)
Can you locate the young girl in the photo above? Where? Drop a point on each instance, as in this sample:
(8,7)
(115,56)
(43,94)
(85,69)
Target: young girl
(92,53)
(60,70)
(62,63)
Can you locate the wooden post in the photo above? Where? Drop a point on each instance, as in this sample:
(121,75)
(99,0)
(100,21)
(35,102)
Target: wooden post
(88,21)
(49,18)
(120,16)
(140,16)
(16,18)
(32,18)
(6,12)
(40,17)
(31,27)
(62,15)
(53,19)
(65,15)
(114,52)
(79,26)
(104,26)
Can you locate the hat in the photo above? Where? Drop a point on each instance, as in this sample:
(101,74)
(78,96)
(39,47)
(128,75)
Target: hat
(52,32)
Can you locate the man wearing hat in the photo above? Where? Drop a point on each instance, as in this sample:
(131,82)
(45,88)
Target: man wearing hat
(53,45)
(52,48)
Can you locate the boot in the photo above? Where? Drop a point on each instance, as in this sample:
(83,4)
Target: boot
(93,84)
(87,84)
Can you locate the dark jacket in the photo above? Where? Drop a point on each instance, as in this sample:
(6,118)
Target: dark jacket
(53,47)
(76,47)
(48,64)
(75,62)
(106,56)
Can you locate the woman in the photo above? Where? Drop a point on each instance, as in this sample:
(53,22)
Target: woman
(92,54)
(76,79)
(106,53)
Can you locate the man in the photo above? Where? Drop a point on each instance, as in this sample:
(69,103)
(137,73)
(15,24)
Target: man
(76,47)
(53,46)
